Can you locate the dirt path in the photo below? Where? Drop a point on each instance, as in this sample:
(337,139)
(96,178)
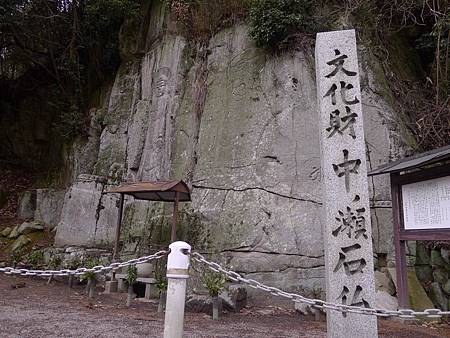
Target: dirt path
(38,310)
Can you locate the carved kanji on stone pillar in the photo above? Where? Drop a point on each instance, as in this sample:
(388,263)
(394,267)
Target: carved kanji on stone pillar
(346,216)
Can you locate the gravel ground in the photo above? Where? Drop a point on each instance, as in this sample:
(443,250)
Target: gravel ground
(39,310)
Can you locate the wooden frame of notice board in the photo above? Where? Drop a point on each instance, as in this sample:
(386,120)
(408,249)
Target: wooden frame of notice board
(402,234)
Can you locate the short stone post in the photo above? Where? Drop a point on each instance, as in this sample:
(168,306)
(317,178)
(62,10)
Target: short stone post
(177,274)
(216,306)
(70,281)
(346,216)
(130,294)
(91,287)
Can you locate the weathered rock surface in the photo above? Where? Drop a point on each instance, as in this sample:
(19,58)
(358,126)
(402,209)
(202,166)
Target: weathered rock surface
(89,216)
(5,232)
(49,203)
(14,232)
(234,298)
(384,283)
(75,257)
(436,258)
(27,227)
(438,297)
(418,298)
(20,242)
(240,126)
(422,255)
(445,253)
(424,273)
(27,204)
(440,275)
(199,303)
(446,287)
(204,304)
(384,300)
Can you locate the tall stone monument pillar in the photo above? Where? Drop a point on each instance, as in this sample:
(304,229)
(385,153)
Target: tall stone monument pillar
(346,223)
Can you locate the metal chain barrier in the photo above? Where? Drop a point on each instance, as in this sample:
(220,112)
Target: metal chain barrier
(81,271)
(318,303)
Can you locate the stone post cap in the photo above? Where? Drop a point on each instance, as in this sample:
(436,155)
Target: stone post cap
(178,260)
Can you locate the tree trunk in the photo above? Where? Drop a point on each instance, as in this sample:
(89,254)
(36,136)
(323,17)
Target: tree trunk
(130,294)
(216,305)
(162,301)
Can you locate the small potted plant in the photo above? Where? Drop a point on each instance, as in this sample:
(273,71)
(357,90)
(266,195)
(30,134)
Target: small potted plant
(90,277)
(131,279)
(214,283)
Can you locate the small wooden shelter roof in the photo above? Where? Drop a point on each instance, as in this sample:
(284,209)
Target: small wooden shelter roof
(155,191)
(413,162)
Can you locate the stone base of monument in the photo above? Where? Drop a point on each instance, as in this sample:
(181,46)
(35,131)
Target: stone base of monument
(111,286)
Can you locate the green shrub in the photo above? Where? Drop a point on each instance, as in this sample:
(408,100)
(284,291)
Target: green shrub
(273,21)
(73,263)
(131,274)
(36,259)
(90,263)
(54,262)
(161,284)
(214,282)
(160,276)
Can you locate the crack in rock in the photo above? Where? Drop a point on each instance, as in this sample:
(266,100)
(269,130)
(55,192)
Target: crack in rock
(283,270)
(258,188)
(98,209)
(242,250)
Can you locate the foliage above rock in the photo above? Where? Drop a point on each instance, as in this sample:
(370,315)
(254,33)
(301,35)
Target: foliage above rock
(68,47)
(200,19)
(273,21)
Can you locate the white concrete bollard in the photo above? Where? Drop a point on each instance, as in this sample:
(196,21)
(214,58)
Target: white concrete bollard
(177,274)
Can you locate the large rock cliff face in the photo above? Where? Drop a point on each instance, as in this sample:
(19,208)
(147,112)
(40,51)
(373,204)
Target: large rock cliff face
(239,125)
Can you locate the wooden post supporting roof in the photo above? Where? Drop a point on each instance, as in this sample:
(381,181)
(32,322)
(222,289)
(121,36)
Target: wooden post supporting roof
(162,191)
(118,228)
(173,233)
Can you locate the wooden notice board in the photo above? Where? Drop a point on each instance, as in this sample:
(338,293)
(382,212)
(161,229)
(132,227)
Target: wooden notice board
(421,208)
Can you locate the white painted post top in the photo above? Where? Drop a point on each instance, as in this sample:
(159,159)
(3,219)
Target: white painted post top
(178,260)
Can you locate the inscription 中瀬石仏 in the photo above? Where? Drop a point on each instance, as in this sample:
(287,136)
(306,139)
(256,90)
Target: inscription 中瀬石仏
(346,222)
